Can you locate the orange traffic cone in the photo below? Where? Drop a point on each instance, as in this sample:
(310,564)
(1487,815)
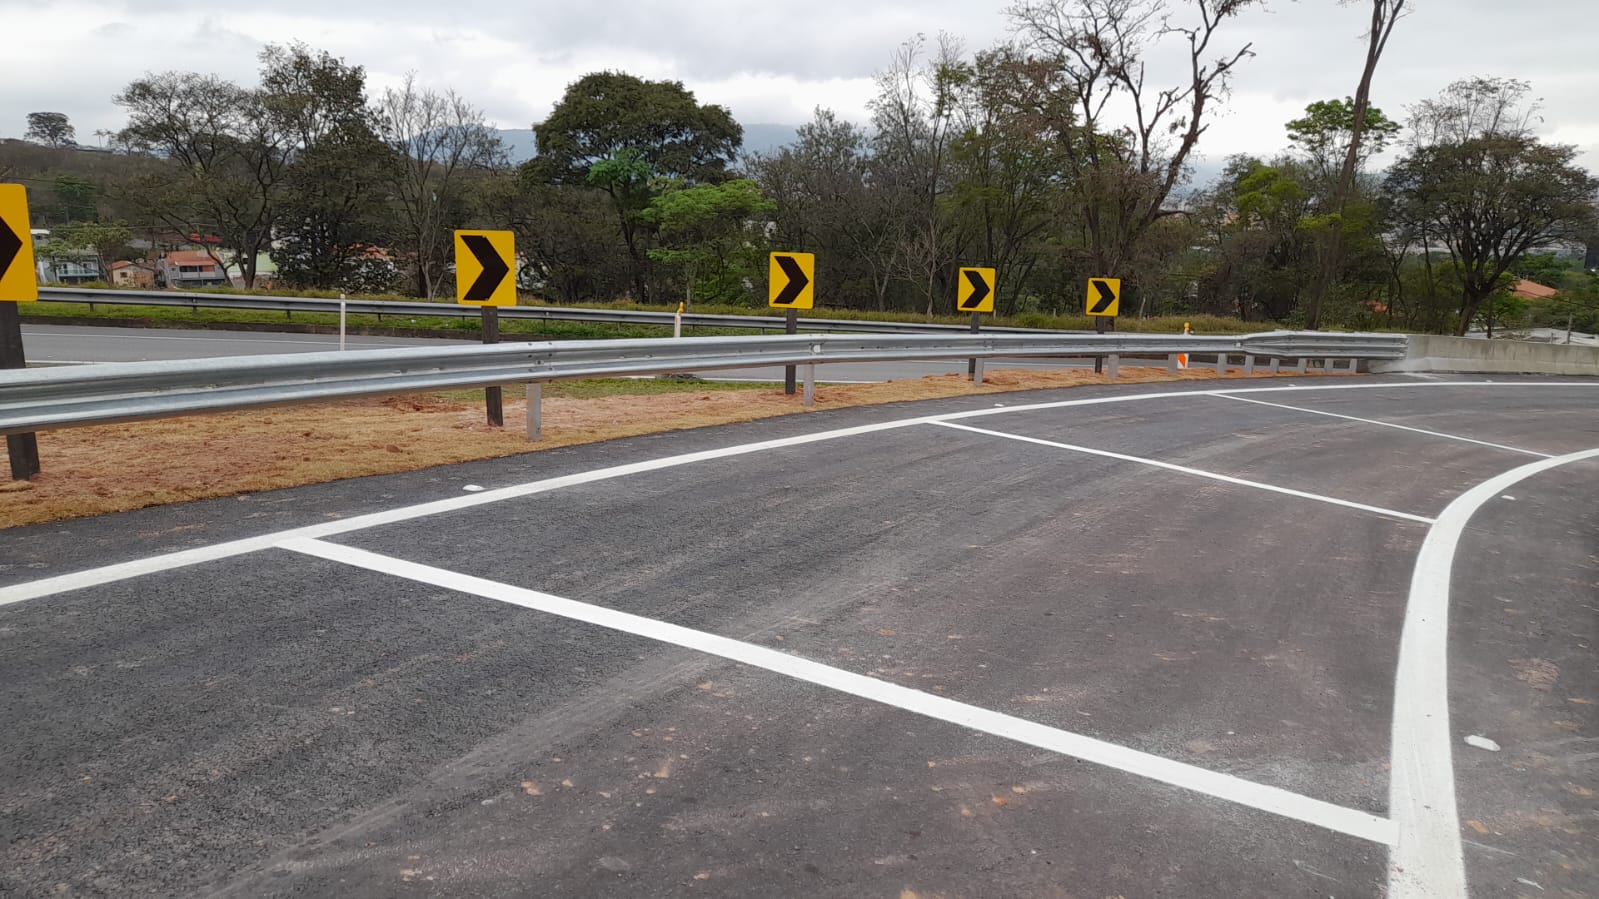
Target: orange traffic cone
(1182,358)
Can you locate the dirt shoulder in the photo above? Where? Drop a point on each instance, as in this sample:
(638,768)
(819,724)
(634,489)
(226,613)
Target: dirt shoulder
(116,468)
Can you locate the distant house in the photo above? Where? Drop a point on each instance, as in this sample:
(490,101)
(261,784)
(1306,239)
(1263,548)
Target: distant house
(67,267)
(132,274)
(180,269)
(1532,290)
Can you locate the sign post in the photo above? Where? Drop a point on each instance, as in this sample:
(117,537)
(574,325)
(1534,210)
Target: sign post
(483,260)
(791,285)
(18,284)
(974,293)
(1104,302)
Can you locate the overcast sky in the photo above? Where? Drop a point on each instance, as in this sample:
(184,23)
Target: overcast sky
(768,62)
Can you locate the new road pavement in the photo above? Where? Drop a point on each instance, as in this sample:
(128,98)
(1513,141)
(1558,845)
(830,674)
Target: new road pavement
(66,344)
(1305,637)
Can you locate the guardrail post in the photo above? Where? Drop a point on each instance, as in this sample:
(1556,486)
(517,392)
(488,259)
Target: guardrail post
(810,384)
(1221,363)
(1249,364)
(1171,364)
(1302,365)
(23,449)
(535,411)
(977,371)
(493,397)
(1112,366)
(1275,364)
(1354,366)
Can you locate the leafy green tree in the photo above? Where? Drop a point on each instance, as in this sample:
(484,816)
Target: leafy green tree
(1490,201)
(76,198)
(617,132)
(333,212)
(1325,133)
(713,234)
(107,241)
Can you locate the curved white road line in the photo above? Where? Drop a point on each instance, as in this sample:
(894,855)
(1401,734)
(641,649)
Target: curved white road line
(1427,862)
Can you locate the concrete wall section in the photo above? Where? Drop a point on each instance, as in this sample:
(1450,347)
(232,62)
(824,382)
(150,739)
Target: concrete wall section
(1461,354)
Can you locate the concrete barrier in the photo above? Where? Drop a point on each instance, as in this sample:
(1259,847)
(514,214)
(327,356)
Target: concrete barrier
(1460,354)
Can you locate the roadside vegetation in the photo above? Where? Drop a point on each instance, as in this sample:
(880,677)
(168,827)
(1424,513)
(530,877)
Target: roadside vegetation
(1026,156)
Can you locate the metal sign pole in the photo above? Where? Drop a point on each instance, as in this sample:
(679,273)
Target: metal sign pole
(791,327)
(493,398)
(23,449)
(971,364)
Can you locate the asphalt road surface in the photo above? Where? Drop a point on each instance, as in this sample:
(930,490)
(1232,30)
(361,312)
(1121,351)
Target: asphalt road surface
(62,344)
(1102,642)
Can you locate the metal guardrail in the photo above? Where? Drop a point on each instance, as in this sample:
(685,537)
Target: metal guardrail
(41,399)
(534,313)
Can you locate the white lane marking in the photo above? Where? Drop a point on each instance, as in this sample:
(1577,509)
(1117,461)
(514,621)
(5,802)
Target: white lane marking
(152,564)
(1428,862)
(1227,479)
(1277,801)
(1388,424)
(120,571)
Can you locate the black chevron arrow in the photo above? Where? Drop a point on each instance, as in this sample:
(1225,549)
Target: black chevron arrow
(796,281)
(10,246)
(979,291)
(1106,297)
(494,268)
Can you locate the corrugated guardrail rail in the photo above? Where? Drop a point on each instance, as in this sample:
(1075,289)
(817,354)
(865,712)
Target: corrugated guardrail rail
(535,313)
(41,399)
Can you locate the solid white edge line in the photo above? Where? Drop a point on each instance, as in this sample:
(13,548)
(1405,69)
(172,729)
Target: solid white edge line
(1428,860)
(1352,822)
(152,564)
(1388,424)
(1226,479)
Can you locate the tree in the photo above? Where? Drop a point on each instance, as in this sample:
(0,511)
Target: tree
(228,154)
(829,200)
(1472,108)
(106,240)
(615,132)
(76,197)
(1384,15)
(51,129)
(440,140)
(1491,200)
(1007,159)
(1122,175)
(1326,131)
(913,113)
(333,209)
(713,233)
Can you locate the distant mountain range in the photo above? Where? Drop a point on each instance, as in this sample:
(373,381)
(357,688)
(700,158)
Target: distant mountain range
(521,145)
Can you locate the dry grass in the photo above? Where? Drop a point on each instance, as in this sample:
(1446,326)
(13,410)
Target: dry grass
(91,471)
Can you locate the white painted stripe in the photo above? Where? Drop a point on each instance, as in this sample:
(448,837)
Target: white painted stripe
(152,564)
(1427,862)
(1227,479)
(1212,783)
(1386,424)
